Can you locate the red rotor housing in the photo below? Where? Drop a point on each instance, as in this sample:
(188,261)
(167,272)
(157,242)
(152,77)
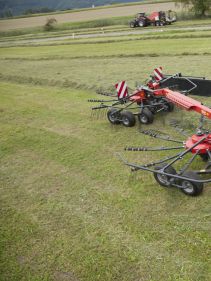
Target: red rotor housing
(203,147)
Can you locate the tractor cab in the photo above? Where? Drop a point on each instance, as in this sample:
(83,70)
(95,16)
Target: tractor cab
(139,15)
(139,20)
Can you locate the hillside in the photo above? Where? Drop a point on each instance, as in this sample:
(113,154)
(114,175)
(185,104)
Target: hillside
(17,7)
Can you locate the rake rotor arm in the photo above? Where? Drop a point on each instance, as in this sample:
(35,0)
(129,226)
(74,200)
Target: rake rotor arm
(102,101)
(162,148)
(160,136)
(183,101)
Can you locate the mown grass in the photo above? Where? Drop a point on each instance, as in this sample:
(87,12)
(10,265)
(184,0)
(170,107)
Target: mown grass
(182,46)
(94,73)
(106,36)
(70,210)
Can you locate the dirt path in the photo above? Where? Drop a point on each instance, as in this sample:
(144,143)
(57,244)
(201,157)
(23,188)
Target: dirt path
(85,15)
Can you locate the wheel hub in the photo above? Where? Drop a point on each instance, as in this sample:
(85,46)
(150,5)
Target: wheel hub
(187,186)
(163,178)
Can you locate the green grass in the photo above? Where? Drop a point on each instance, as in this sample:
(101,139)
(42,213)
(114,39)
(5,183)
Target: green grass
(70,210)
(92,73)
(182,46)
(70,207)
(91,25)
(107,38)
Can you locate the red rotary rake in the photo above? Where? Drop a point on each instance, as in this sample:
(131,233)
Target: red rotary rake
(195,146)
(144,103)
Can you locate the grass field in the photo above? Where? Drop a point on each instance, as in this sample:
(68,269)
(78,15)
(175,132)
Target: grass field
(88,14)
(70,210)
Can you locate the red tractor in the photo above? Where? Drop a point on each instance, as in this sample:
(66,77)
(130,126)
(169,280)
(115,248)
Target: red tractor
(155,19)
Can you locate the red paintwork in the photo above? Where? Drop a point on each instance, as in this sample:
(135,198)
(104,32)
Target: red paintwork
(184,101)
(154,16)
(153,85)
(138,96)
(202,147)
(189,104)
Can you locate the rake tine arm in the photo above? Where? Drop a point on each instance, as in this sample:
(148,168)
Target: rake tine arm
(162,172)
(163,160)
(152,148)
(121,158)
(185,167)
(129,104)
(179,129)
(105,94)
(158,136)
(95,100)
(186,151)
(100,107)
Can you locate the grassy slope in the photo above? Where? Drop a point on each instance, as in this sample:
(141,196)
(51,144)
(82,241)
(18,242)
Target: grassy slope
(69,209)
(94,25)
(96,8)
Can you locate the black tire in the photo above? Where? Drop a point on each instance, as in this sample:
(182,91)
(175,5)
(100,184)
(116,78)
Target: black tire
(141,23)
(146,116)
(204,157)
(163,180)
(128,119)
(191,188)
(157,23)
(170,106)
(132,25)
(113,116)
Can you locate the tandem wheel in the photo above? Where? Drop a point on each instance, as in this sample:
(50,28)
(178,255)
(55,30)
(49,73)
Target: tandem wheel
(164,180)
(146,116)
(114,116)
(128,119)
(189,187)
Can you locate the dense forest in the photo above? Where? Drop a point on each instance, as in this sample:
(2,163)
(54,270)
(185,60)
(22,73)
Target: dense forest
(17,7)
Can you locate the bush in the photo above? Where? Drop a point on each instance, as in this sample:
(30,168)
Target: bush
(50,24)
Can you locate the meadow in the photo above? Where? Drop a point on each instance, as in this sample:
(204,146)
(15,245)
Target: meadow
(70,210)
(90,14)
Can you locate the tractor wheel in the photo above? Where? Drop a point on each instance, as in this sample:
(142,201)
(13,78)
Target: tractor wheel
(141,23)
(132,24)
(113,116)
(146,116)
(157,23)
(163,180)
(191,188)
(128,119)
